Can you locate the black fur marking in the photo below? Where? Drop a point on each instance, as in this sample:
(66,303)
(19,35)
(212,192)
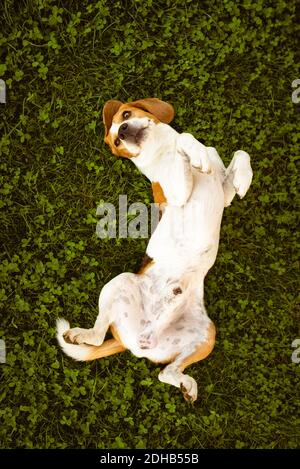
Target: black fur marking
(146,260)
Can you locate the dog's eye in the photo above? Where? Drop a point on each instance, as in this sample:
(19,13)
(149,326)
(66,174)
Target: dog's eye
(117,142)
(126,114)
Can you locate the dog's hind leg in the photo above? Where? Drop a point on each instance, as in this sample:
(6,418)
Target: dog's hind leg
(112,300)
(238,176)
(192,353)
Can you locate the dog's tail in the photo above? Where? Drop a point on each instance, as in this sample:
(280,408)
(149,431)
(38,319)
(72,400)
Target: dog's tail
(86,352)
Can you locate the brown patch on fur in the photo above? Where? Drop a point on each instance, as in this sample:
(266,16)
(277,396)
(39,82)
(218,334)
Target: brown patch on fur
(109,347)
(164,112)
(158,193)
(135,112)
(147,262)
(114,332)
(109,110)
(203,350)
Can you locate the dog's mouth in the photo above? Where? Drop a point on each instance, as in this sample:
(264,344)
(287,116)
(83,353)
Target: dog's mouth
(141,135)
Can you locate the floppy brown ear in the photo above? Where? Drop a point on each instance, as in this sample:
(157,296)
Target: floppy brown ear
(163,111)
(109,110)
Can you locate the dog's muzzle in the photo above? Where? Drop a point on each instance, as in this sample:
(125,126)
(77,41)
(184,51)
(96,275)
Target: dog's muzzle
(131,133)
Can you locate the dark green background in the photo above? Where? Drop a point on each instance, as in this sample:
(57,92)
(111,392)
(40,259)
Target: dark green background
(227,67)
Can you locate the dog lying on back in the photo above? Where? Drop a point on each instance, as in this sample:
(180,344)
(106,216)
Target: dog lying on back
(159,312)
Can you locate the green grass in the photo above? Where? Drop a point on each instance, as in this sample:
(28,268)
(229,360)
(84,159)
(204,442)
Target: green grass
(227,67)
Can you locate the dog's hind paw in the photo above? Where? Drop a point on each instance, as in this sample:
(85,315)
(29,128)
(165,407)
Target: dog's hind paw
(189,389)
(79,336)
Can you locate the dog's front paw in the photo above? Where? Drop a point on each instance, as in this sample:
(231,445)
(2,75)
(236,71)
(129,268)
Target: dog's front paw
(195,151)
(242,173)
(147,339)
(201,161)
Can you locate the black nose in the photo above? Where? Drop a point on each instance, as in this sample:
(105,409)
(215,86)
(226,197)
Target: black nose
(122,131)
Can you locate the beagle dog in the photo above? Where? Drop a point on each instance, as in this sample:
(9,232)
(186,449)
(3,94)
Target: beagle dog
(159,312)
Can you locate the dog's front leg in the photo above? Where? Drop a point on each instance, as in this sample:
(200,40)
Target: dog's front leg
(195,151)
(176,180)
(238,177)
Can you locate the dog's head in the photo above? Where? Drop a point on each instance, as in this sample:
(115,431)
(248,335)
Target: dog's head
(129,126)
